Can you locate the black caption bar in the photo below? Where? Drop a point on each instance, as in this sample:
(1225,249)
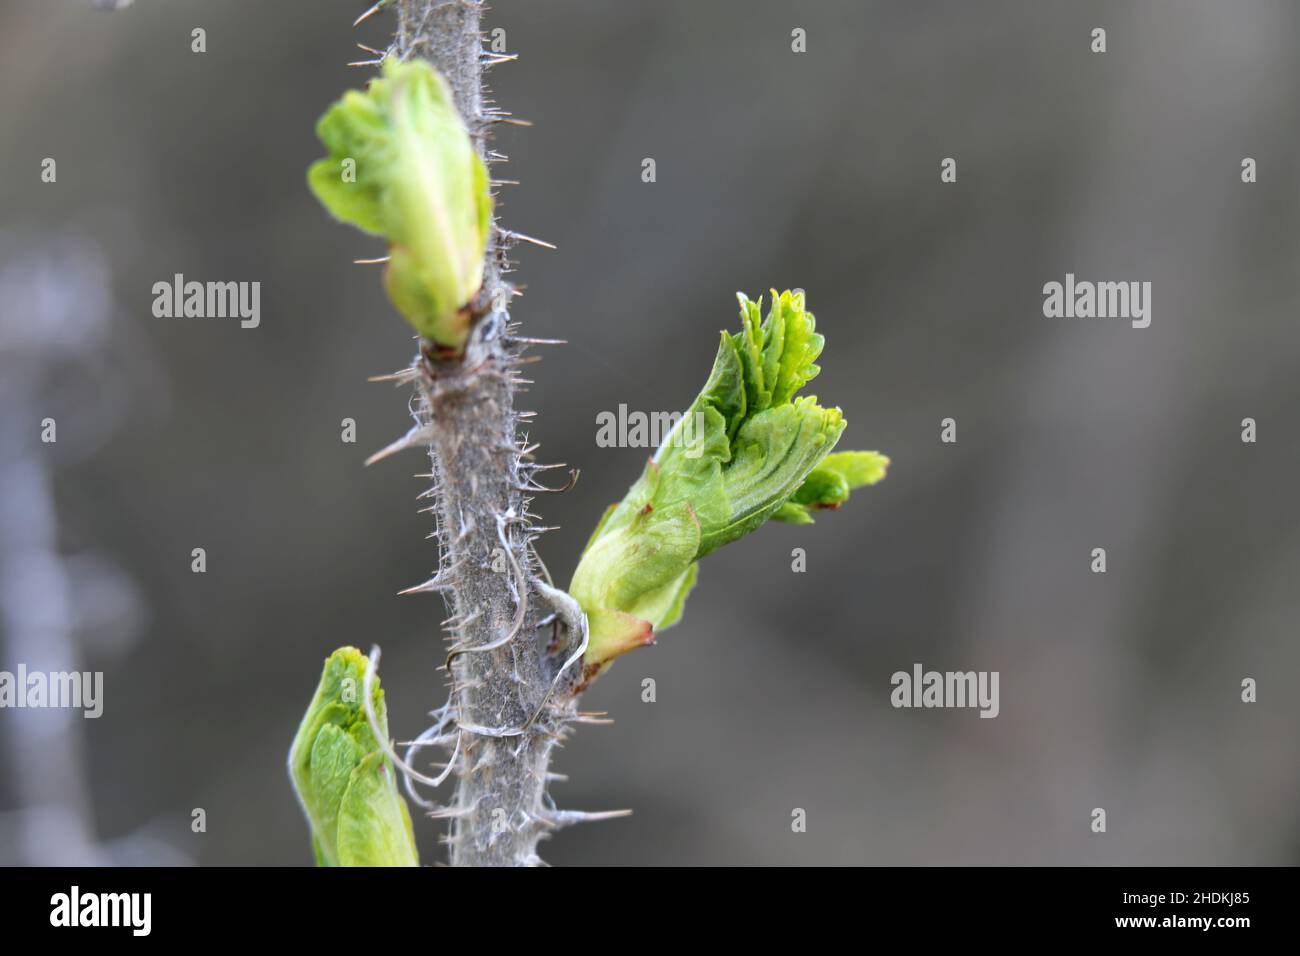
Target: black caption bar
(309,906)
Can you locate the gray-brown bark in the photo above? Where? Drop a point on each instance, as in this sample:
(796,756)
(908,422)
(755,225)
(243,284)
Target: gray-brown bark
(509,642)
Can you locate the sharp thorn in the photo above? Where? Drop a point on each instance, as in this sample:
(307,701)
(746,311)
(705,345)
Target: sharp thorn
(418,435)
(433,584)
(535,241)
(373,10)
(585,816)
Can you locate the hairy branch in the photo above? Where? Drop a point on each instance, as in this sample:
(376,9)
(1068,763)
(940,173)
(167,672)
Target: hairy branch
(513,636)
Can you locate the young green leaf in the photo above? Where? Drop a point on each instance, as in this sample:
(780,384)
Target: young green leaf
(746,451)
(401,165)
(346,787)
(828,485)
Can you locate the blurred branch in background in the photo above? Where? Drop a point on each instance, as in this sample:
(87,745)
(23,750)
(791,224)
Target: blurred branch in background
(55,353)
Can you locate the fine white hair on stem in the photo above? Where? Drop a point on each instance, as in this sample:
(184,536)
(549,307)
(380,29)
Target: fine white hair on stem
(384,743)
(541,564)
(521,609)
(570,611)
(432,737)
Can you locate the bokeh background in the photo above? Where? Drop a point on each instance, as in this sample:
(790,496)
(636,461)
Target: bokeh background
(818,170)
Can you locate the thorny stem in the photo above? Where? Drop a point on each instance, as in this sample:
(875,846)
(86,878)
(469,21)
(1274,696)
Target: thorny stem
(513,636)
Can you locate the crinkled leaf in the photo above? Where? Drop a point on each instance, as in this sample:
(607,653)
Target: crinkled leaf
(774,451)
(741,455)
(791,513)
(857,468)
(828,485)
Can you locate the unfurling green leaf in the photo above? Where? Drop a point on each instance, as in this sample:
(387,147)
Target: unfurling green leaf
(828,485)
(746,451)
(345,785)
(401,165)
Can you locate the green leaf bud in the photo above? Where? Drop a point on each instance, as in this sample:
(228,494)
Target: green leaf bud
(747,450)
(418,182)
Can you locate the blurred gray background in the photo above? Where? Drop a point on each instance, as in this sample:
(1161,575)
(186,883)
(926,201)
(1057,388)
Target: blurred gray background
(818,170)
